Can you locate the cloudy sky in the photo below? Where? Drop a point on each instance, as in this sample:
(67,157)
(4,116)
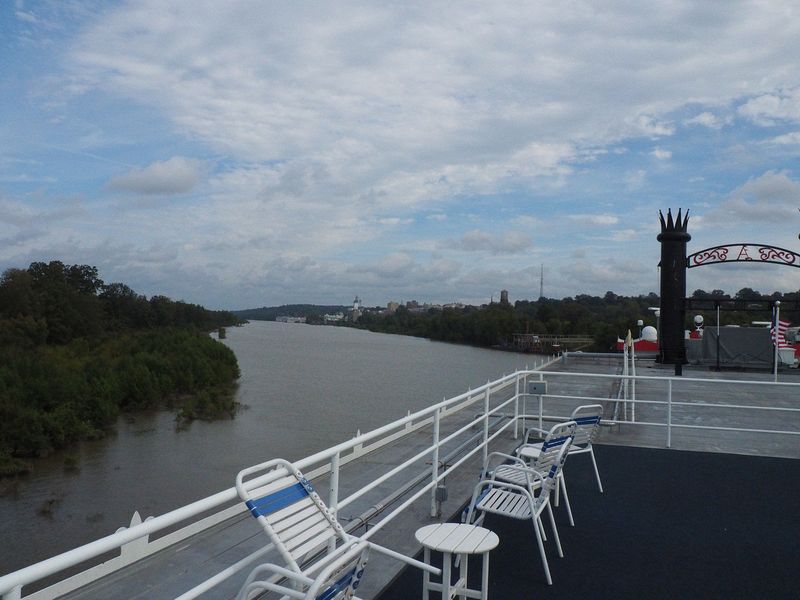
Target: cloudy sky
(250,153)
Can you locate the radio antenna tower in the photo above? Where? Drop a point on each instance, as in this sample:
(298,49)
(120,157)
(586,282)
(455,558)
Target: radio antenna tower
(541,283)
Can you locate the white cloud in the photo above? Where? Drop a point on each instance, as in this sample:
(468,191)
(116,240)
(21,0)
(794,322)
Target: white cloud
(771,198)
(26,16)
(625,235)
(787,139)
(437,217)
(635,179)
(661,154)
(509,242)
(395,264)
(768,109)
(395,221)
(649,126)
(707,119)
(527,221)
(177,175)
(595,219)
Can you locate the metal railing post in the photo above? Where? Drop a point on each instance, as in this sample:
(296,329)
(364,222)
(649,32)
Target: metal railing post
(333,492)
(435,462)
(516,407)
(13,594)
(485,452)
(633,384)
(669,413)
(541,404)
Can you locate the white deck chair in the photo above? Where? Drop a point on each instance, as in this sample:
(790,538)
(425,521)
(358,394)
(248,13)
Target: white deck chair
(301,527)
(587,418)
(518,502)
(541,456)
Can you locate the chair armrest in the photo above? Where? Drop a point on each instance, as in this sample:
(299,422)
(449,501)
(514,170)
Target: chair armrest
(541,433)
(504,457)
(531,474)
(403,558)
(518,449)
(243,487)
(252,584)
(491,483)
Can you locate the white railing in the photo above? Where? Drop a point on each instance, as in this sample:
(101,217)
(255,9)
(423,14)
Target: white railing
(505,394)
(134,544)
(669,403)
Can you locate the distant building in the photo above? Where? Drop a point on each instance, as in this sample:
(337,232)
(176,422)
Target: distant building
(288,319)
(503,296)
(335,318)
(392,307)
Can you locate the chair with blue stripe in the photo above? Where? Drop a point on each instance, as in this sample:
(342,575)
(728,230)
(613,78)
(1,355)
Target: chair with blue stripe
(588,418)
(540,457)
(323,562)
(518,500)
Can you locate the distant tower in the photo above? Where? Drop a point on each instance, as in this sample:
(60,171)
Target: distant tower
(503,296)
(357,303)
(541,282)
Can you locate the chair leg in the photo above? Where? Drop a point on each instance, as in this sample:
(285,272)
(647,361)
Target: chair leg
(541,527)
(557,493)
(555,530)
(541,552)
(596,472)
(566,497)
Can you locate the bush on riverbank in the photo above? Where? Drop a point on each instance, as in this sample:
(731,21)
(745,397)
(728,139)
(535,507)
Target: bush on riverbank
(74,352)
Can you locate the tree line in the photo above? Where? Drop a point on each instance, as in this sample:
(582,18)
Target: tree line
(604,318)
(75,352)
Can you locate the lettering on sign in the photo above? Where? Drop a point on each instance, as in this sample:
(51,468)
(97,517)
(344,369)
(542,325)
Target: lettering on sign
(744,253)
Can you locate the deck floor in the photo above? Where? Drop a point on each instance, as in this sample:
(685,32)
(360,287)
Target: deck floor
(671,524)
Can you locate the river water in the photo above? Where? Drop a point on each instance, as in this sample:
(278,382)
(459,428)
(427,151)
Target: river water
(303,388)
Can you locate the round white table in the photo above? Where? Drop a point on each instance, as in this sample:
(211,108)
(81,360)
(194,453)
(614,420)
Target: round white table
(461,540)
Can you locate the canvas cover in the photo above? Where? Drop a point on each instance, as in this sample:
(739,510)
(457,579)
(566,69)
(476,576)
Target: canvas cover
(738,347)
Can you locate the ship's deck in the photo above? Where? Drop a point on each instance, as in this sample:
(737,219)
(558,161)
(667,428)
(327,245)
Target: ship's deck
(684,522)
(671,524)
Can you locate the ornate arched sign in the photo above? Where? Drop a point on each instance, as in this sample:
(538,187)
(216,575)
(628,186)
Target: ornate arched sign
(730,253)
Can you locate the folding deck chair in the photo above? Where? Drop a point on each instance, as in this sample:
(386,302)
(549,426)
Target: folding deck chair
(517,501)
(540,457)
(587,418)
(323,562)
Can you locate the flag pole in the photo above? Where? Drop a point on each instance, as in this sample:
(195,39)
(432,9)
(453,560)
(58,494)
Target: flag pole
(775,335)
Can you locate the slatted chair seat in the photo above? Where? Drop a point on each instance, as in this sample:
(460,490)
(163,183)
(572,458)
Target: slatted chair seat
(323,562)
(507,503)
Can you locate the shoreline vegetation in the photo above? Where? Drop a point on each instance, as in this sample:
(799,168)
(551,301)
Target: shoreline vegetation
(75,353)
(602,318)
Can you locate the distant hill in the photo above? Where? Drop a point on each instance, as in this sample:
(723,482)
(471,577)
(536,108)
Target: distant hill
(268,313)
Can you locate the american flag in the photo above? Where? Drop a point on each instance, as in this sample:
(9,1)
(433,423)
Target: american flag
(783,326)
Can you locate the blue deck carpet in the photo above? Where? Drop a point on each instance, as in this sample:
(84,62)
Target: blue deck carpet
(671,524)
